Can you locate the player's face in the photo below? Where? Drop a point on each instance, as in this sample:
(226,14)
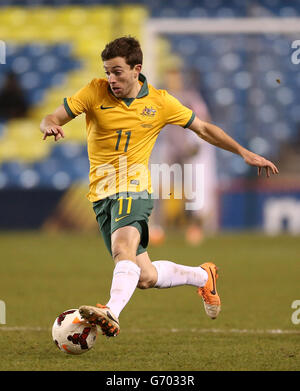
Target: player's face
(122,79)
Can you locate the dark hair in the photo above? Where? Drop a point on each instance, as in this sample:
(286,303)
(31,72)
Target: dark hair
(126,47)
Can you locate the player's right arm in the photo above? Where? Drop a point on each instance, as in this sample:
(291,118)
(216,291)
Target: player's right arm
(51,124)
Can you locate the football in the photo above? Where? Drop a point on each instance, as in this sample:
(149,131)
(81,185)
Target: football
(72,334)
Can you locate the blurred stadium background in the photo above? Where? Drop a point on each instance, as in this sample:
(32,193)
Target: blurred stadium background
(239,55)
(248,80)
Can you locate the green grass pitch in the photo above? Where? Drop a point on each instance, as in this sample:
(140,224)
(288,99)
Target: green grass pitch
(42,275)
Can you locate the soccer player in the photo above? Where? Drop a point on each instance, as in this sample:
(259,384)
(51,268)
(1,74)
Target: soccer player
(124,115)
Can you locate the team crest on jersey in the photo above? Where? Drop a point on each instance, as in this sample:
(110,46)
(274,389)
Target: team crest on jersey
(148,112)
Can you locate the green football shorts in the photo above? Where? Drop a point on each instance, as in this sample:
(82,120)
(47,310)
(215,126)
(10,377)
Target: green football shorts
(121,210)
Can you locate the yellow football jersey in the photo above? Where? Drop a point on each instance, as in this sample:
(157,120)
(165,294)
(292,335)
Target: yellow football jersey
(121,133)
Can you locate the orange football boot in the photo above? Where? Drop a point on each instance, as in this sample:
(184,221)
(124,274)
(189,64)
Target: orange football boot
(103,317)
(211,299)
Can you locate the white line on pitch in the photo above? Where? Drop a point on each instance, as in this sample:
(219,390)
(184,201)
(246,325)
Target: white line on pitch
(172,330)
(239,331)
(23,328)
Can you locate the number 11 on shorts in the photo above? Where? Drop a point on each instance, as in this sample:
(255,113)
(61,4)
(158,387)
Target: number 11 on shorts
(128,210)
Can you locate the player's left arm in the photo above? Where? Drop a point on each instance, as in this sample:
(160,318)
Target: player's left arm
(216,136)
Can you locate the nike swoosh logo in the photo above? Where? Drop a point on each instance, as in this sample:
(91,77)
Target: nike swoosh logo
(111,318)
(120,218)
(213,292)
(106,107)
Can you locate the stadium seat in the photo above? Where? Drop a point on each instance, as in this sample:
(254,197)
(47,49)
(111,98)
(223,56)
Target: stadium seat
(132,20)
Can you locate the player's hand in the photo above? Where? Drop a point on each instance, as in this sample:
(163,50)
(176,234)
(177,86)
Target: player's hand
(261,163)
(54,130)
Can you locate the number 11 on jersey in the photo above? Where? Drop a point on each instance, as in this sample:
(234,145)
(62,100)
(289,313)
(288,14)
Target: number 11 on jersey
(128,134)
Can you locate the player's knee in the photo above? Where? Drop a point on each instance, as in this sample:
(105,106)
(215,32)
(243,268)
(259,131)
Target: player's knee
(147,281)
(144,284)
(123,250)
(124,243)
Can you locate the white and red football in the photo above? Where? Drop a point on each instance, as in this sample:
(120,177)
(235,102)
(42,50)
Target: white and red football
(72,334)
